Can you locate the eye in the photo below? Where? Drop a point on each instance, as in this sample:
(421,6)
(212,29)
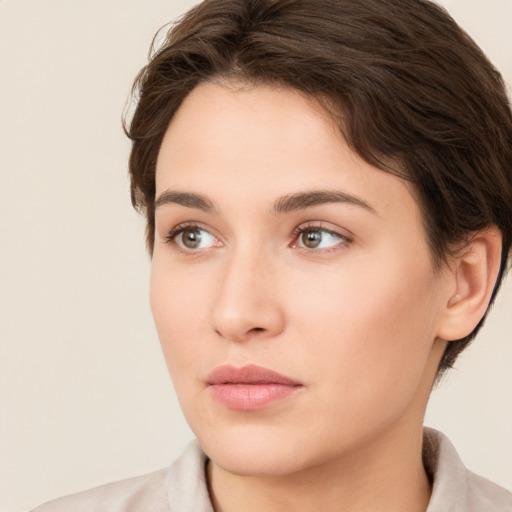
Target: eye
(318,238)
(192,238)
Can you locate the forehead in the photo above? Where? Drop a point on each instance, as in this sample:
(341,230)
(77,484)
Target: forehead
(227,121)
(261,142)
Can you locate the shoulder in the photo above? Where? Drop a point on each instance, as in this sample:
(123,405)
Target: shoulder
(486,495)
(146,492)
(454,486)
(180,488)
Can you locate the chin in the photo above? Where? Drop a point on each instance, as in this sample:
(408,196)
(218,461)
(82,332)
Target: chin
(255,451)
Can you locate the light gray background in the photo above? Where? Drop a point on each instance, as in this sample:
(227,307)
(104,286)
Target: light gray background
(84,393)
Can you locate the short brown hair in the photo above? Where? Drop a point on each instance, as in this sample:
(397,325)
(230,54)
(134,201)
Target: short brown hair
(403,81)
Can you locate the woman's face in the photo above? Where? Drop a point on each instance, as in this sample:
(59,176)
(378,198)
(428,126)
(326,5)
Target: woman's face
(279,251)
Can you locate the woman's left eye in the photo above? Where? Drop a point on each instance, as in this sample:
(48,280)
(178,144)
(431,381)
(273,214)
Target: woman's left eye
(316,238)
(193,238)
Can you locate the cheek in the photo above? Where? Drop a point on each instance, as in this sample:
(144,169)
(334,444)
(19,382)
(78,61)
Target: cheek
(179,311)
(368,333)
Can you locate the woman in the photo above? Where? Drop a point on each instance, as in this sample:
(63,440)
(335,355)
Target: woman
(328,198)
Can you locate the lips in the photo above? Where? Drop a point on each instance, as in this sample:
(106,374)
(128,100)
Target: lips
(250,387)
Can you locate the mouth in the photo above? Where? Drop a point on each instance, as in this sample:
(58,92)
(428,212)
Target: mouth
(250,387)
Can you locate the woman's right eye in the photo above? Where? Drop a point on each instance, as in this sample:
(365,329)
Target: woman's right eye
(192,238)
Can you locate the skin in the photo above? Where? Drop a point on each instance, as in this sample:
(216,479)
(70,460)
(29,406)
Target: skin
(356,320)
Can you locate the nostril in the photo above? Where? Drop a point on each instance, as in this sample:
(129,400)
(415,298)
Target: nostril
(257,329)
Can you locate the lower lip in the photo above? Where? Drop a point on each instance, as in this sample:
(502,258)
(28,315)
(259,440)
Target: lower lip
(251,397)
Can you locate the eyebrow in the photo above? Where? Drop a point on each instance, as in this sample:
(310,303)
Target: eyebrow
(285,204)
(308,199)
(188,199)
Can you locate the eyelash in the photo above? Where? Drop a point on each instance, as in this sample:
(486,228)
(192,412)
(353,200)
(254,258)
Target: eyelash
(180,228)
(319,227)
(345,240)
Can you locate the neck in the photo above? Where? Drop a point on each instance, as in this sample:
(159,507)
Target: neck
(385,472)
(386,475)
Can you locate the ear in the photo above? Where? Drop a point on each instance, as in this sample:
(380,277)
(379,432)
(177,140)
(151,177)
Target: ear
(474,272)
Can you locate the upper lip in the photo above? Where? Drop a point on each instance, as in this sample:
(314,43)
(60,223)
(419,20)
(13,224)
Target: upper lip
(248,374)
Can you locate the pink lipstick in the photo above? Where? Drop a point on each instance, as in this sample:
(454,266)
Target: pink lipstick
(250,387)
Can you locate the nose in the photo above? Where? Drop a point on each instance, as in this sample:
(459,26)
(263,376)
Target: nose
(248,304)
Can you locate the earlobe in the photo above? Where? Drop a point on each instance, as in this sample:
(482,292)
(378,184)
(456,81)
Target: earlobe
(475,271)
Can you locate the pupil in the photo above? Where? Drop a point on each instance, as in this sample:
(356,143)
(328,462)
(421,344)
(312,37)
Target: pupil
(312,239)
(191,238)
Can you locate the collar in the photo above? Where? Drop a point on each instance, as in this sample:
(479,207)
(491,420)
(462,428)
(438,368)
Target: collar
(454,488)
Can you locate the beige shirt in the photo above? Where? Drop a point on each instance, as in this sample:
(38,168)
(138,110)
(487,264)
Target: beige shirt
(182,487)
